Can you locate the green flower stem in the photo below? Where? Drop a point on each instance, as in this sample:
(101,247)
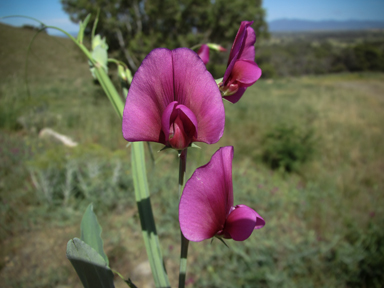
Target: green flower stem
(140,182)
(148,227)
(184,241)
(182,169)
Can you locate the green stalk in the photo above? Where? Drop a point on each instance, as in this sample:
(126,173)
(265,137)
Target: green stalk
(184,241)
(146,216)
(140,183)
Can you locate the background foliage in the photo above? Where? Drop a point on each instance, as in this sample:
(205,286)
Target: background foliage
(134,28)
(294,54)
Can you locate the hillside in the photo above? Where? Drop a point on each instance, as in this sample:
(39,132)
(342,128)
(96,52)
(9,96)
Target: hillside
(49,55)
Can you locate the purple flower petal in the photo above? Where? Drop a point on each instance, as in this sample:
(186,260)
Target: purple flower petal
(189,120)
(247,51)
(179,125)
(167,118)
(204,53)
(236,97)
(246,72)
(260,222)
(238,44)
(207,197)
(196,89)
(150,93)
(241,222)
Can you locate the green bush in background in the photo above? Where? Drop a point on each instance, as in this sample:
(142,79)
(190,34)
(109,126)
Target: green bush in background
(288,147)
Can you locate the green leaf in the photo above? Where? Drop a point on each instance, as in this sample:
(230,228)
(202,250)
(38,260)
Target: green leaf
(92,269)
(83,25)
(91,232)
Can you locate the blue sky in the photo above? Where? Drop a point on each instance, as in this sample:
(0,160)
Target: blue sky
(325,9)
(51,13)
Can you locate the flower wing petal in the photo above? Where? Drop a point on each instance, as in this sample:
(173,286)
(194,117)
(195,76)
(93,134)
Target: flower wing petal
(166,118)
(207,197)
(236,97)
(189,120)
(246,72)
(242,221)
(196,89)
(150,93)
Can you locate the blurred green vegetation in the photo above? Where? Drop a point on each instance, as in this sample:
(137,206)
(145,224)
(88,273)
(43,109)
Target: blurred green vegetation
(324,217)
(295,54)
(134,28)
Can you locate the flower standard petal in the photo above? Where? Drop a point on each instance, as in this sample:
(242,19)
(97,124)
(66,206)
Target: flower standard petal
(150,93)
(247,51)
(238,43)
(196,89)
(207,198)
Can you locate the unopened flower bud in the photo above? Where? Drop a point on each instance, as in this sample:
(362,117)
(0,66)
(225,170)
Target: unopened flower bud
(216,47)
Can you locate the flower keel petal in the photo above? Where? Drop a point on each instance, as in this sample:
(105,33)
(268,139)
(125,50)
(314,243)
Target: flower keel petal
(241,222)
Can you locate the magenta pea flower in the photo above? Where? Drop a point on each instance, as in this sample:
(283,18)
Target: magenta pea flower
(206,205)
(173,100)
(242,71)
(203,53)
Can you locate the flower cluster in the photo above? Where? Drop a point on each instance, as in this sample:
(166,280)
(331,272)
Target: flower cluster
(174,100)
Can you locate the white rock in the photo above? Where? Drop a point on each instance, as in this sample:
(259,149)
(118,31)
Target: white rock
(47,132)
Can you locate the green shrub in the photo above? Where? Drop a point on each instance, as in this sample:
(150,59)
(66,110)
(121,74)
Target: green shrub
(63,176)
(287,147)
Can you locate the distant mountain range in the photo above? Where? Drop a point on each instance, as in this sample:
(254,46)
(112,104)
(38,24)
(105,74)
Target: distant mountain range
(296,25)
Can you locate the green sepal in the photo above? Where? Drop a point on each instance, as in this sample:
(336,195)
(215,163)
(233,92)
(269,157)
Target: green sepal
(98,41)
(221,240)
(218,81)
(91,232)
(91,268)
(193,145)
(165,148)
(100,55)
